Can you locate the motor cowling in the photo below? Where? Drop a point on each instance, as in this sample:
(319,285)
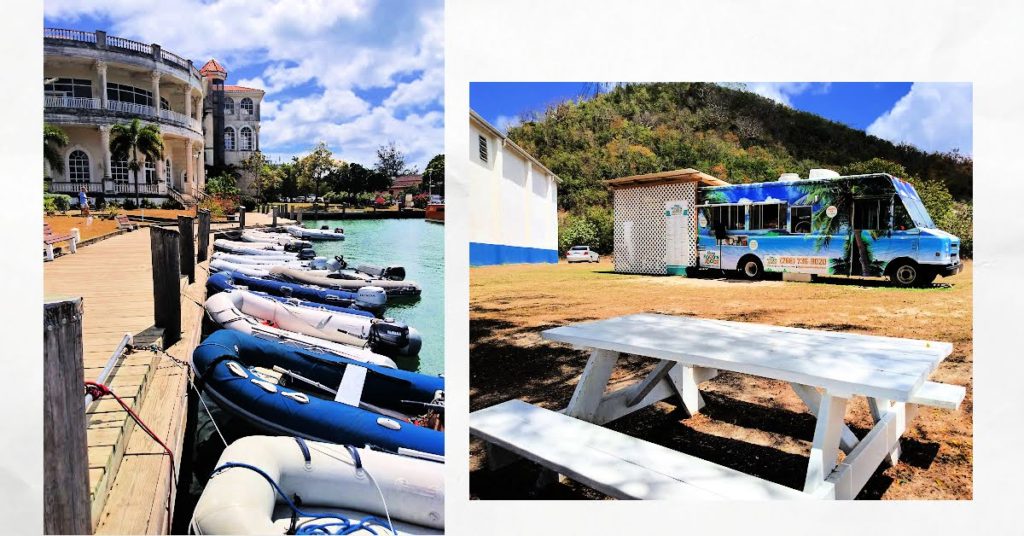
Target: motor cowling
(297,246)
(371,297)
(394,338)
(393,273)
(306,254)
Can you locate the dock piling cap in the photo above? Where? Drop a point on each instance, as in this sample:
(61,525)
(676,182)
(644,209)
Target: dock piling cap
(665,177)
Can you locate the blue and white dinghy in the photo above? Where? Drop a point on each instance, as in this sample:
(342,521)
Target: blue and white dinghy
(223,281)
(321,397)
(344,490)
(369,297)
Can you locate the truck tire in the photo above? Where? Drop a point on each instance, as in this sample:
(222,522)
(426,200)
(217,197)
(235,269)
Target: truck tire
(751,269)
(908,274)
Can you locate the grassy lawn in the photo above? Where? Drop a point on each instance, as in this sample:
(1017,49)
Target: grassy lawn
(751,424)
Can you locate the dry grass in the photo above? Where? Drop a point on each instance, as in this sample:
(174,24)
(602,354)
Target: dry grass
(64,224)
(752,424)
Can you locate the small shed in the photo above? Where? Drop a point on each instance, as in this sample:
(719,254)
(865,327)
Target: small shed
(656,220)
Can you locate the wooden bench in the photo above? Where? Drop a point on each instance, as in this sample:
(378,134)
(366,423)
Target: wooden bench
(50,238)
(124,223)
(613,463)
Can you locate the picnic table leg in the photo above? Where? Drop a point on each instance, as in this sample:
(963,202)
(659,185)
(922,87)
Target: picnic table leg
(879,407)
(812,398)
(825,447)
(49,252)
(685,379)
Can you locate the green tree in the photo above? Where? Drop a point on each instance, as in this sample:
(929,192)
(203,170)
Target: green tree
(289,178)
(129,140)
(54,139)
(391,161)
(223,185)
(253,167)
(316,167)
(433,176)
(576,231)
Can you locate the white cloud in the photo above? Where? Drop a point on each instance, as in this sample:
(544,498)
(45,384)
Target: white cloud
(505,122)
(332,49)
(931,117)
(781,92)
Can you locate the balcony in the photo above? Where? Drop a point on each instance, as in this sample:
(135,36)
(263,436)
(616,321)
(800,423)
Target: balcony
(108,187)
(100,39)
(129,108)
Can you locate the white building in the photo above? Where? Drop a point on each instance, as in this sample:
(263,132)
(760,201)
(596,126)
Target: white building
(513,201)
(93,81)
(232,121)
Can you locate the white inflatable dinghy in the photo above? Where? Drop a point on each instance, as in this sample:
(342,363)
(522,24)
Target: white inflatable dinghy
(316,263)
(250,248)
(248,313)
(253,487)
(281,239)
(323,233)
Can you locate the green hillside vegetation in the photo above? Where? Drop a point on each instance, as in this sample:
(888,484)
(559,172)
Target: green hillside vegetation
(734,135)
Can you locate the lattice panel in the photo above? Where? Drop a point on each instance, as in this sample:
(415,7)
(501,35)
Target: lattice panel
(640,214)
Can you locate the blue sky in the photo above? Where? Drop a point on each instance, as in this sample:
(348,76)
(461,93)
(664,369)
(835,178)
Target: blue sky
(355,74)
(930,116)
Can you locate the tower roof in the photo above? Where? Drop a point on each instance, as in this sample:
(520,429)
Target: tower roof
(213,66)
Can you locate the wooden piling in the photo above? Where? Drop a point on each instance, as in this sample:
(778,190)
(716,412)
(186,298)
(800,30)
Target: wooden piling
(241,217)
(187,248)
(66,498)
(273,216)
(164,248)
(204,235)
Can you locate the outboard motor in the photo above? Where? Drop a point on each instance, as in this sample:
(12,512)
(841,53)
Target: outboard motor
(394,338)
(319,263)
(337,264)
(297,246)
(393,273)
(324,228)
(306,254)
(372,298)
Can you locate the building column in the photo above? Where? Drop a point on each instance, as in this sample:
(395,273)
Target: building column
(188,100)
(156,92)
(200,173)
(189,160)
(105,142)
(101,72)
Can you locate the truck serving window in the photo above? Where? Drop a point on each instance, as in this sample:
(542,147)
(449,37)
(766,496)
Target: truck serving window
(768,216)
(871,214)
(800,220)
(730,217)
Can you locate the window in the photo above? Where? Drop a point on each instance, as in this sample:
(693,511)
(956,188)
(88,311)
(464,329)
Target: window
(729,217)
(229,139)
(150,172)
(246,139)
(134,95)
(167,171)
(119,170)
(229,105)
(164,105)
(800,220)
(768,216)
(870,214)
(69,87)
(78,166)
(483,149)
(246,106)
(901,219)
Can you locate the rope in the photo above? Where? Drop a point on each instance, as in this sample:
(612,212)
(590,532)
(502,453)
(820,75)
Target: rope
(188,374)
(347,527)
(98,390)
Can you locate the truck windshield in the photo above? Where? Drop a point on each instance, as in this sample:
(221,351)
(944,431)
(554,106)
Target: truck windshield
(913,205)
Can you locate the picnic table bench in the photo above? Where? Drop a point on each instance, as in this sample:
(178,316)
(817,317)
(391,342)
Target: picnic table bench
(824,368)
(50,238)
(124,223)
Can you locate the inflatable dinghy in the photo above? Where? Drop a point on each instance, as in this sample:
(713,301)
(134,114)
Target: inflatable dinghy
(250,248)
(322,278)
(222,281)
(242,312)
(323,233)
(316,263)
(321,397)
(369,298)
(363,272)
(281,239)
(336,484)
(381,336)
(252,270)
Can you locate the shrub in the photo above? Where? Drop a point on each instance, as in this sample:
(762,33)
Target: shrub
(249,203)
(49,206)
(420,201)
(59,202)
(960,221)
(129,204)
(577,231)
(172,204)
(146,203)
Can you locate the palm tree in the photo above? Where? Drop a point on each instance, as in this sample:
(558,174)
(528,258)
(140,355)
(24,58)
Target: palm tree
(54,139)
(130,139)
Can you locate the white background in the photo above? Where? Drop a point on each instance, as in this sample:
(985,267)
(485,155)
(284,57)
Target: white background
(532,40)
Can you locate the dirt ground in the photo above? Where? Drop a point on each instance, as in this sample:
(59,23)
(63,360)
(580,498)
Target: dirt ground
(64,224)
(752,424)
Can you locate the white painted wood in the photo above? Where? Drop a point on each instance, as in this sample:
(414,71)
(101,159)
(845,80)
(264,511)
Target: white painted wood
(590,389)
(812,398)
(613,463)
(645,386)
(879,408)
(685,382)
(614,404)
(350,391)
(851,475)
(825,447)
(939,395)
(882,367)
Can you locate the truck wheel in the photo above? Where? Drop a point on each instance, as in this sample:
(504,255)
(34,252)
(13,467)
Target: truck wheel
(908,274)
(751,268)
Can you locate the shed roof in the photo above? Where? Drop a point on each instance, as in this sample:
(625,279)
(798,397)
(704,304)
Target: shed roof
(664,177)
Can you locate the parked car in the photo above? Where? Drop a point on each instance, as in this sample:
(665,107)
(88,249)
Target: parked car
(581,254)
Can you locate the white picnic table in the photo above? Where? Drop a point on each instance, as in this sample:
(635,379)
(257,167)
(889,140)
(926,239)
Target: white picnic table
(824,368)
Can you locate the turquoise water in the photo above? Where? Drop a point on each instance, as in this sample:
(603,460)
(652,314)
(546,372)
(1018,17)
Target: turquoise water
(419,247)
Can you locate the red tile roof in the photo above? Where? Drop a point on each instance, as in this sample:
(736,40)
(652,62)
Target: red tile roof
(405,181)
(241,88)
(213,66)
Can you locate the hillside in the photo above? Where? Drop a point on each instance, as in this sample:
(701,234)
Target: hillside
(735,135)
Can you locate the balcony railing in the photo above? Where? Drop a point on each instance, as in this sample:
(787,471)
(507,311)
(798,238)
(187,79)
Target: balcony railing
(102,40)
(75,187)
(84,103)
(129,188)
(129,107)
(72,102)
(120,188)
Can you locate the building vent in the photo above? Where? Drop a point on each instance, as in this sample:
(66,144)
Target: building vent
(483,149)
(822,174)
(789,177)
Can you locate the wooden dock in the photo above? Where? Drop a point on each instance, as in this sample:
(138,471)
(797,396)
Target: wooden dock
(129,476)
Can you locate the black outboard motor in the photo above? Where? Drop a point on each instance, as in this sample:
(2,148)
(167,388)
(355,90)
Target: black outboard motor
(393,273)
(391,338)
(297,246)
(306,254)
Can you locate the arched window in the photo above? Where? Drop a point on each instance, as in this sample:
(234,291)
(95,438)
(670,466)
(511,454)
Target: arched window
(167,171)
(246,106)
(229,139)
(78,166)
(246,139)
(149,171)
(119,170)
(229,105)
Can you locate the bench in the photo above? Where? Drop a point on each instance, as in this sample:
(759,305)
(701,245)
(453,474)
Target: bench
(613,463)
(50,238)
(124,223)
